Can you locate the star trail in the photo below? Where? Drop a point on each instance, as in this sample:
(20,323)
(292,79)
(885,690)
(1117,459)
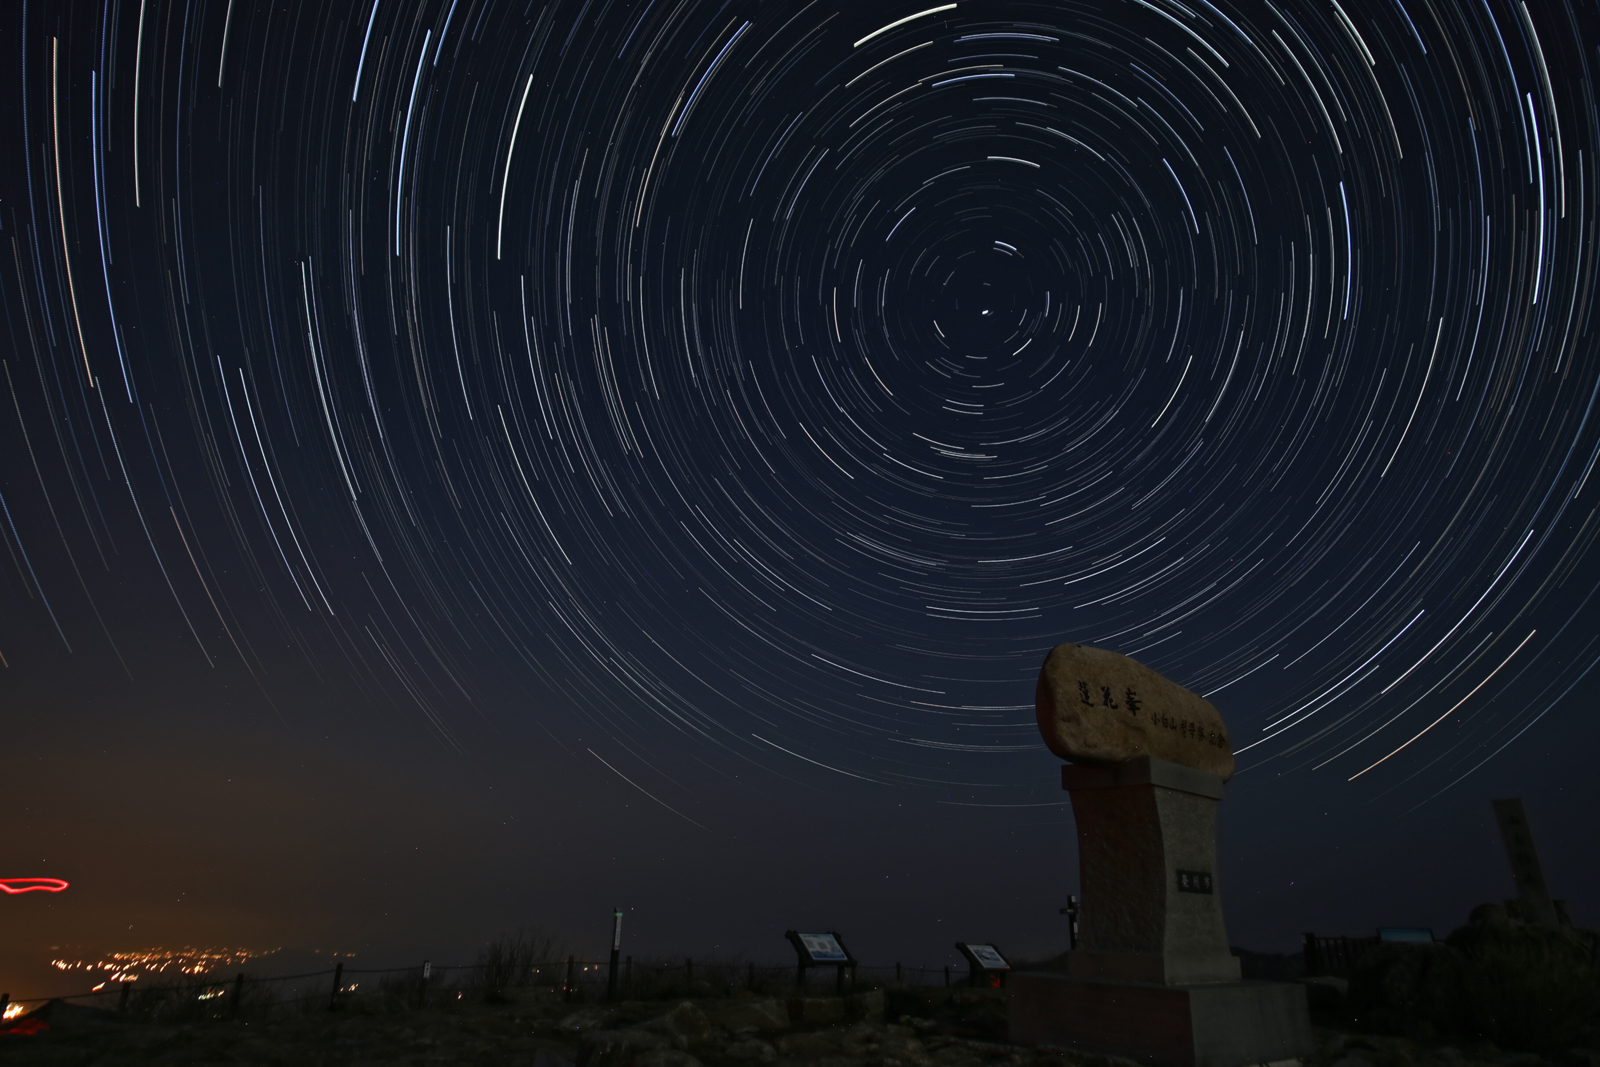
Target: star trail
(773,384)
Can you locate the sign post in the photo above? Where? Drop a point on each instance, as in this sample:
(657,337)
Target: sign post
(616,949)
(819,949)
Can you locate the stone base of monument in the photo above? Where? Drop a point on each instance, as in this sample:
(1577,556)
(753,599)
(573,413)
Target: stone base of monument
(1218,1024)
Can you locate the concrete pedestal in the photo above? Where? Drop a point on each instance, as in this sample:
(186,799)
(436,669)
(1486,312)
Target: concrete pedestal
(1217,1024)
(1153,978)
(1147,860)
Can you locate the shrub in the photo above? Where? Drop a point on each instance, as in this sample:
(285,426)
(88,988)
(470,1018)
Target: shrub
(1410,989)
(1527,986)
(1498,978)
(190,999)
(513,960)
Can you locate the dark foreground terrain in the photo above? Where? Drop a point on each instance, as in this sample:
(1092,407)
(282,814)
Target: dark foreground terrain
(536,1028)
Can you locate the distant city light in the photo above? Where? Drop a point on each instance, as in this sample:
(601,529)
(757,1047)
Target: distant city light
(128,966)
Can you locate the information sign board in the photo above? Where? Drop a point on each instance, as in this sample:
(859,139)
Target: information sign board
(823,948)
(984,961)
(987,957)
(826,949)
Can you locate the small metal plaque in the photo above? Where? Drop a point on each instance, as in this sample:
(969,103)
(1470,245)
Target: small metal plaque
(1194,882)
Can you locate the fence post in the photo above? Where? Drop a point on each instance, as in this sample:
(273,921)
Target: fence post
(616,947)
(422,986)
(338,980)
(571,961)
(1309,943)
(122,1001)
(238,995)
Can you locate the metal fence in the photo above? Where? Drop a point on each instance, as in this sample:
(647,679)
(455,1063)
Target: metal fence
(1336,956)
(417,986)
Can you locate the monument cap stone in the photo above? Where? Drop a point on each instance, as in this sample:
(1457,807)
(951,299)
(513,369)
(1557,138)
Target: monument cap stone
(1101,707)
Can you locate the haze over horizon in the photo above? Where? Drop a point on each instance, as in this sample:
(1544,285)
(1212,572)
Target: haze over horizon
(469,465)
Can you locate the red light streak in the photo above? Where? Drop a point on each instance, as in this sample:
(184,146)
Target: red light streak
(24,1027)
(28,885)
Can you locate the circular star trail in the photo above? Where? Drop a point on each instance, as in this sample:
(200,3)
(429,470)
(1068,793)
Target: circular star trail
(776,382)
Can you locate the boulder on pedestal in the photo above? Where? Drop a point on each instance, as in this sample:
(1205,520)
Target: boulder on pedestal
(1101,707)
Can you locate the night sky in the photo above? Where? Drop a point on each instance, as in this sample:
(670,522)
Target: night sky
(469,464)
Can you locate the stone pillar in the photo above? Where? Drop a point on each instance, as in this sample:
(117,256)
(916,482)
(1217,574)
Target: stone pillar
(1147,857)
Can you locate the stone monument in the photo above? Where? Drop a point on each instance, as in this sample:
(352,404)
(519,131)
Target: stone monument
(1152,977)
(1525,866)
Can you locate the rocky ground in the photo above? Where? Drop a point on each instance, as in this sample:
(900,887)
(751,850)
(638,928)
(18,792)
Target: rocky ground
(535,1028)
